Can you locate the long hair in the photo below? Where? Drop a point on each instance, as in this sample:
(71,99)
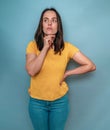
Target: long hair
(58,42)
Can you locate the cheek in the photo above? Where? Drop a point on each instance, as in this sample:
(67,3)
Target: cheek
(55,27)
(44,27)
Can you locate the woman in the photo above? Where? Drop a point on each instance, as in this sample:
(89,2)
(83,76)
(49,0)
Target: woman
(46,61)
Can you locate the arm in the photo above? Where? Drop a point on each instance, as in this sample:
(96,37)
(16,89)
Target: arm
(33,62)
(86,65)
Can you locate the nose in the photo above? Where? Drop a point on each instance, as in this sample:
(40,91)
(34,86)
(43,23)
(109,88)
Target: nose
(49,22)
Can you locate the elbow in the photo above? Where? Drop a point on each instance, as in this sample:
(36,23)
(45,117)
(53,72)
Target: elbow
(92,67)
(30,72)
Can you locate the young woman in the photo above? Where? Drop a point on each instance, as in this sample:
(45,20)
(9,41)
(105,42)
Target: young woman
(46,60)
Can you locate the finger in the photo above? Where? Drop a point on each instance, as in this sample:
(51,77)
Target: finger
(48,38)
(61,82)
(51,36)
(49,42)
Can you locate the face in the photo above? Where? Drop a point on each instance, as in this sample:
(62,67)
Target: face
(50,23)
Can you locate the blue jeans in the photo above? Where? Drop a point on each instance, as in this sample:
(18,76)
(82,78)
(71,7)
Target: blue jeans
(49,115)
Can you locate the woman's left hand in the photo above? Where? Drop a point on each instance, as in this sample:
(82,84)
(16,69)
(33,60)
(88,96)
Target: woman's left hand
(64,77)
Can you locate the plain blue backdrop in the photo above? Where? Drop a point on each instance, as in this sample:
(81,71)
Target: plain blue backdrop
(86,24)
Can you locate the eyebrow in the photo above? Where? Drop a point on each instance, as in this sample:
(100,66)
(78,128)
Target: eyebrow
(48,18)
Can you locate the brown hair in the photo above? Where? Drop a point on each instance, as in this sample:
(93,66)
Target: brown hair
(58,42)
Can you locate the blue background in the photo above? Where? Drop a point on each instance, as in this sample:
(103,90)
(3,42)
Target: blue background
(86,24)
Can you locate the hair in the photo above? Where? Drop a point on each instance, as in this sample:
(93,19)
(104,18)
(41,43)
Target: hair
(58,42)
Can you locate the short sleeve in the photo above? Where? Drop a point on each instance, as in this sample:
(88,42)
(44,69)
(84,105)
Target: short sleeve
(31,48)
(72,50)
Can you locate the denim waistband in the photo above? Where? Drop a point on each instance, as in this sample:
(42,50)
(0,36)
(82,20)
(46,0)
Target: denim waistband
(45,102)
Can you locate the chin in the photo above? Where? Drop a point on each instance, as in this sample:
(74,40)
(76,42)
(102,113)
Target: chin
(50,33)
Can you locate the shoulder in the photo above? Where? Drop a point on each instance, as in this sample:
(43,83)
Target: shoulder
(31,47)
(70,45)
(32,43)
(71,49)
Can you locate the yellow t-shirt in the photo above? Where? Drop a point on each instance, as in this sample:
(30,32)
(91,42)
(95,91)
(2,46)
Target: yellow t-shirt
(45,85)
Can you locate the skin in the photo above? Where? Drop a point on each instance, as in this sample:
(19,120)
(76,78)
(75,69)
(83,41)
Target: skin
(49,26)
(34,62)
(50,23)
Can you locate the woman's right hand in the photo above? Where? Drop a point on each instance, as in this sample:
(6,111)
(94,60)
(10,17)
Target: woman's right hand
(48,41)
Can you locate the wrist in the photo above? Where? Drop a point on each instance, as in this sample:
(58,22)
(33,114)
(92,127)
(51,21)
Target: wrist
(66,74)
(45,48)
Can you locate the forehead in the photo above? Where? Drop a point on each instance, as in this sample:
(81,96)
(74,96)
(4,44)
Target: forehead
(49,14)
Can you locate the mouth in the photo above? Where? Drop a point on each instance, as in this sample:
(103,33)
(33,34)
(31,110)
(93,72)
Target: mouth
(49,28)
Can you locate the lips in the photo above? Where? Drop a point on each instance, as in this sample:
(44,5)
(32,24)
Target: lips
(49,28)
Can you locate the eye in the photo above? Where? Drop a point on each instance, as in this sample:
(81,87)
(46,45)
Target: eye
(45,20)
(54,20)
